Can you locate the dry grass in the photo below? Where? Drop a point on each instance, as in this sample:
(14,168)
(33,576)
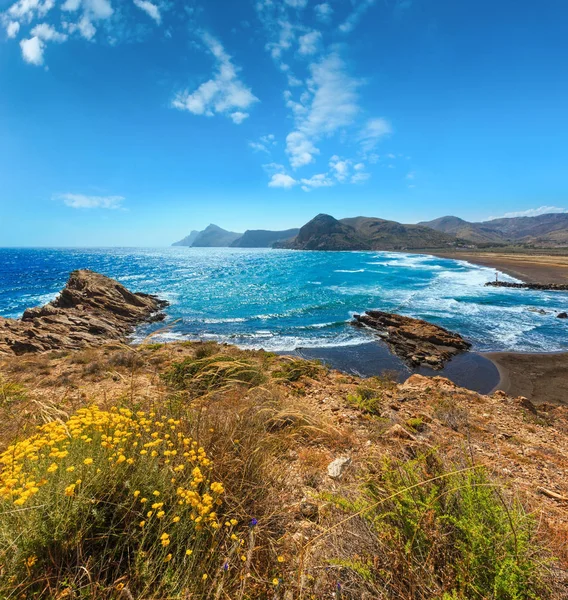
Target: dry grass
(270,440)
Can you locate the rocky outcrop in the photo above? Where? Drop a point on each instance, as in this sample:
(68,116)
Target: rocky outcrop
(89,311)
(414,340)
(558,287)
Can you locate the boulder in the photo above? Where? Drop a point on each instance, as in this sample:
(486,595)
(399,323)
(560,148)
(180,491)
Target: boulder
(90,310)
(562,315)
(416,341)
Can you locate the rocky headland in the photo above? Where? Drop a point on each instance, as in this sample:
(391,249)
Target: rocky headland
(92,309)
(414,340)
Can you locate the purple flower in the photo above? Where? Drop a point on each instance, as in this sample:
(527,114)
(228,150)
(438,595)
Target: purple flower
(226,566)
(253,522)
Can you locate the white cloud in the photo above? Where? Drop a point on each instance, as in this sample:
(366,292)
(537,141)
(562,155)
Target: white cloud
(224,94)
(532,212)
(309,43)
(32,50)
(273,167)
(329,103)
(300,149)
(411,175)
(86,28)
(151,9)
(82,201)
(374,130)
(12,29)
(296,3)
(27,10)
(238,116)
(323,12)
(353,19)
(316,181)
(71,5)
(280,180)
(340,167)
(47,33)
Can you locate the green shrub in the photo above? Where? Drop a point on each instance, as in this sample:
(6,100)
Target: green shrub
(448,534)
(11,392)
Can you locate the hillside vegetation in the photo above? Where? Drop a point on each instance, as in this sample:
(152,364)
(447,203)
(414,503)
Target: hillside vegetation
(201,471)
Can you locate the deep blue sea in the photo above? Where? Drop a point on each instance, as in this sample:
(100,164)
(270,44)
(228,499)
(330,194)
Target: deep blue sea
(282,300)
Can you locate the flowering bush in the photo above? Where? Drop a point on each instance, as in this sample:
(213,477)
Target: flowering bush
(108,496)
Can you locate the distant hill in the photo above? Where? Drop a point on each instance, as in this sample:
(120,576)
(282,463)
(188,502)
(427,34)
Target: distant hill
(215,237)
(543,230)
(390,235)
(262,238)
(366,233)
(188,240)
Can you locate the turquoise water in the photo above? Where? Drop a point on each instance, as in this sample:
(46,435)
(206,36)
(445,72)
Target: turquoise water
(281,300)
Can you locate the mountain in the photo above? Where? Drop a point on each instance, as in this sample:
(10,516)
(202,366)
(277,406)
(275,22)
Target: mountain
(326,233)
(390,235)
(215,237)
(542,230)
(188,240)
(366,233)
(262,238)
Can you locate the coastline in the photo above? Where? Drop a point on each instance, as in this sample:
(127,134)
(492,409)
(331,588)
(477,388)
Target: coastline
(529,268)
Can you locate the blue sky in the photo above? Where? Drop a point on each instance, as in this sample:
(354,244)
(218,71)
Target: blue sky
(133,122)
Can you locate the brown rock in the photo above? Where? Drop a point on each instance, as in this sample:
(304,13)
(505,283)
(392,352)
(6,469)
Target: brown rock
(90,310)
(414,340)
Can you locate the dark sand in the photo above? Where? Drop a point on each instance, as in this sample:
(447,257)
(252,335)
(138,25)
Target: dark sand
(530,268)
(539,377)
(469,370)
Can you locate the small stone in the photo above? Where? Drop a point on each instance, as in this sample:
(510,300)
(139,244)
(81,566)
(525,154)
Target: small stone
(562,315)
(336,468)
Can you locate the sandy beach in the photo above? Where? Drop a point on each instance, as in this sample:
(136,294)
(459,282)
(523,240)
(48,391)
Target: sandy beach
(531,268)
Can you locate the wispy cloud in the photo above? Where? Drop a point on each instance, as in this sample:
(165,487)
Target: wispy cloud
(224,93)
(12,28)
(150,9)
(323,12)
(353,19)
(263,144)
(83,201)
(532,212)
(309,43)
(373,131)
(329,103)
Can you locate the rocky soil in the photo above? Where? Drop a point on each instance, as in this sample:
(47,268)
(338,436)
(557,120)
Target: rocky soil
(90,310)
(414,340)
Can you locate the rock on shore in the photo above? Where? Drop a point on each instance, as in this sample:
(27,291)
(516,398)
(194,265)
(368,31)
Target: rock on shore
(414,340)
(89,311)
(558,287)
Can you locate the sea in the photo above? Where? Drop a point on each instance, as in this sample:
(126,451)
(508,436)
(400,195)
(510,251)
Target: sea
(297,302)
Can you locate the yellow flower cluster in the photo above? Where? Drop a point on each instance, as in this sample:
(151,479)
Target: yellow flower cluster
(95,440)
